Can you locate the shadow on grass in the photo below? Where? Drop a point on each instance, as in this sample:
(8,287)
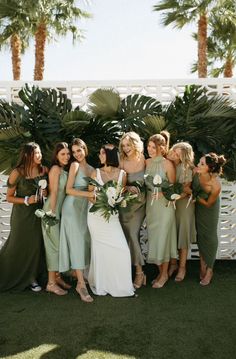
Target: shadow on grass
(180,320)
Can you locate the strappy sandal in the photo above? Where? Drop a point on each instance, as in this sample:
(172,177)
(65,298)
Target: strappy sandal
(61,282)
(140,279)
(54,288)
(84,294)
(158,284)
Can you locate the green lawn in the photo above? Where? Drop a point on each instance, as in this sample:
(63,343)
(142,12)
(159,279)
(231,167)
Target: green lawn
(178,321)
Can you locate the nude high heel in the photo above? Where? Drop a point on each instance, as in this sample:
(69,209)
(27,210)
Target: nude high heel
(140,280)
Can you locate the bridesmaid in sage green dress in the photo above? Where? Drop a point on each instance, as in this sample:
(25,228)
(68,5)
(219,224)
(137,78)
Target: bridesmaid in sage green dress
(57,191)
(160,216)
(181,154)
(133,163)
(21,257)
(207,212)
(74,234)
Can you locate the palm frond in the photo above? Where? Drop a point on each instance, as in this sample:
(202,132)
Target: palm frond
(104,102)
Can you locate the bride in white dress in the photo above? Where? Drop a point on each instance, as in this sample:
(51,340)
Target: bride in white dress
(110,267)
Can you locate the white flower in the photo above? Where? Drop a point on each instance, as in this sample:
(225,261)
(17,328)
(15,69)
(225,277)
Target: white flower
(157,180)
(40,213)
(111,196)
(50,213)
(42,183)
(175,196)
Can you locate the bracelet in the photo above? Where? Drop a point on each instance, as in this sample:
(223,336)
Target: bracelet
(26,201)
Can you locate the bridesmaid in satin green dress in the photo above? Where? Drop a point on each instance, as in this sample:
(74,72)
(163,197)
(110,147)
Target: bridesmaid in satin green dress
(181,154)
(207,212)
(22,257)
(160,216)
(133,163)
(57,192)
(74,234)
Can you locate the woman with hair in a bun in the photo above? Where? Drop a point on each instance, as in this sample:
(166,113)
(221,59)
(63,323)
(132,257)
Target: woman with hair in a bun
(207,212)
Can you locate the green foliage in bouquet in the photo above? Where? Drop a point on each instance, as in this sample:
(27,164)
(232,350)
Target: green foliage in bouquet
(171,191)
(110,198)
(48,218)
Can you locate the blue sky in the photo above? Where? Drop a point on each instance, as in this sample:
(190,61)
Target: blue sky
(124,40)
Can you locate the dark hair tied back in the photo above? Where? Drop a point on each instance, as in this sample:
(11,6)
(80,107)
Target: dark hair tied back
(215,162)
(112,155)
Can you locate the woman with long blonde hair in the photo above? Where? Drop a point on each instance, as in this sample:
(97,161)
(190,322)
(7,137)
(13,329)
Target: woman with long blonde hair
(132,161)
(181,154)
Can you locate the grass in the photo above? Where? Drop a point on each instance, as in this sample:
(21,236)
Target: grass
(178,321)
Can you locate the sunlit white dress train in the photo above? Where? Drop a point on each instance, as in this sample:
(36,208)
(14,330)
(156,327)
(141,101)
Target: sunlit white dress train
(110,266)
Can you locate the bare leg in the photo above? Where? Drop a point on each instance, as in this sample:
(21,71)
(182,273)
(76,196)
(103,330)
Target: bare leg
(203,268)
(172,267)
(52,286)
(163,276)
(140,277)
(81,287)
(61,282)
(207,278)
(183,253)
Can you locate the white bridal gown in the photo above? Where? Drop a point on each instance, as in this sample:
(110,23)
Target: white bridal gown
(110,267)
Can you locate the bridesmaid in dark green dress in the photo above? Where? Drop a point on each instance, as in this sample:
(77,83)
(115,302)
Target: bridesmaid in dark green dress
(133,163)
(21,258)
(207,212)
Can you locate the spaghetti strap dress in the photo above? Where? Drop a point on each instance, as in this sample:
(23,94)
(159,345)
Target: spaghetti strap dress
(132,219)
(110,267)
(160,217)
(185,213)
(74,234)
(51,236)
(22,257)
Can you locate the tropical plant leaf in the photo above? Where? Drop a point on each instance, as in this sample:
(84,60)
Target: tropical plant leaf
(154,124)
(74,123)
(104,102)
(134,108)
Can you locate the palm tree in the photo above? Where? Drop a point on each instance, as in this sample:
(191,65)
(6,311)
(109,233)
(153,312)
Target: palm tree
(222,39)
(14,31)
(51,18)
(181,13)
(221,42)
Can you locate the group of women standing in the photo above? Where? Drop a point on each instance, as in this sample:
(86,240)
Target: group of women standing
(100,252)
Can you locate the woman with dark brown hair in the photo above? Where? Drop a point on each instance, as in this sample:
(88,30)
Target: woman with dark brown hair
(74,233)
(57,192)
(207,212)
(21,258)
(110,266)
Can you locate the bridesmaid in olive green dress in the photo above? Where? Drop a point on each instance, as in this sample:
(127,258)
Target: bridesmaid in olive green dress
(21,258)
(74,234)
(207,212)
(57,191)
(181,154)
(133,163)
(160,216)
